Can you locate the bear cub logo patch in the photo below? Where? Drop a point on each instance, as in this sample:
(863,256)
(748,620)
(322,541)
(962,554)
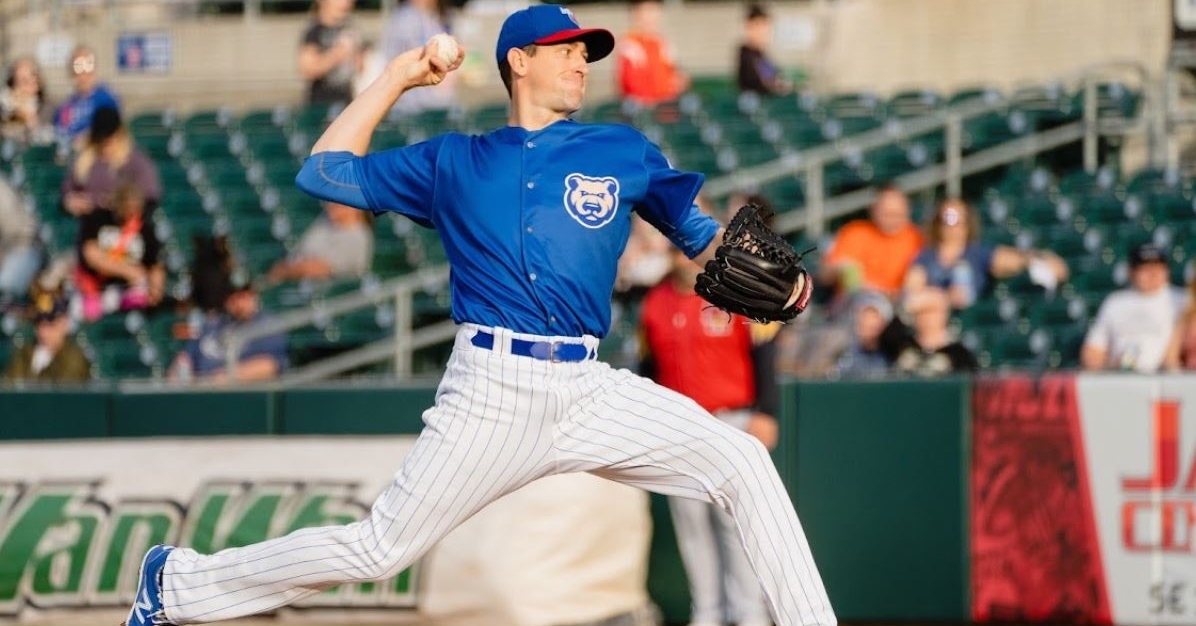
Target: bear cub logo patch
(591,201)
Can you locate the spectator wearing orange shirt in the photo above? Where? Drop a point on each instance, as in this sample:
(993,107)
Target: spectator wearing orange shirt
(875,253)
(647,73)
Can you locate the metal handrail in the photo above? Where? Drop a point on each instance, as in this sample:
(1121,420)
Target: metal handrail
(819,209)
(401,290)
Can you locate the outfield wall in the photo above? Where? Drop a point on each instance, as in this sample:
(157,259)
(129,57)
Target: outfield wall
(1005,499)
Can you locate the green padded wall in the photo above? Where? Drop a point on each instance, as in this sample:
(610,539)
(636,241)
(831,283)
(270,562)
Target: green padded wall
(348,411)
(881,488)
(192,413)
(58,414)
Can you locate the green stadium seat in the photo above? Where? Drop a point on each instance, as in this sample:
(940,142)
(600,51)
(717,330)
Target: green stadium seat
(988,94)
(312,119)
(1013,348)
(152,122)
(914,103)
(264,119)
(1067,341)
(708,87)
(1049,105)
(1114,99)
(1052,313)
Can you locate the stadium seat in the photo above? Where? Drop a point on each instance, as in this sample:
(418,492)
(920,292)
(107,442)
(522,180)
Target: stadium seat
(1016,349)
(914,103)
(1114,99)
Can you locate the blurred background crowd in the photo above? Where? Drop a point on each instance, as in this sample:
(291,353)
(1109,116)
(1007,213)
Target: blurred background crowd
(134,237)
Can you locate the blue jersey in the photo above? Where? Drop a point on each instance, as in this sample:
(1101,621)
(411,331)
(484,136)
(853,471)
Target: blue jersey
(533,222)
(73,117)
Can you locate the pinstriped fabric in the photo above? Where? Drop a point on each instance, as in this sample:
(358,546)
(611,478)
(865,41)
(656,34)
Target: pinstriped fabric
(499,422)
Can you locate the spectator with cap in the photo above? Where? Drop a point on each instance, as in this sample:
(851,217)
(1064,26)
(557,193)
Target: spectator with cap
(53,356)
(340,245)
(874,253)
(1134,326)
(757,73)
(868,353)
(648,74)
(205,357)
(109,158)
(73,117)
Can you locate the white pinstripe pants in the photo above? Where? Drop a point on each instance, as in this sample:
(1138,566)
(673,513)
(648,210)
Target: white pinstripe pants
(499,422)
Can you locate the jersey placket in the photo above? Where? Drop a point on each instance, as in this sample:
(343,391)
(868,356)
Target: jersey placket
(527,229)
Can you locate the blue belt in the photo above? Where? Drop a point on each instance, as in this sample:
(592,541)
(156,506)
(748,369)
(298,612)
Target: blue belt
(543,350)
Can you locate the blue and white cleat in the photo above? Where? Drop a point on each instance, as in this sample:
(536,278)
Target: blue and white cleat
(147,604)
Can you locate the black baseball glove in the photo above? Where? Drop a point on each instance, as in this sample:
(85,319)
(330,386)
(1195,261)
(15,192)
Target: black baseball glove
(756,273)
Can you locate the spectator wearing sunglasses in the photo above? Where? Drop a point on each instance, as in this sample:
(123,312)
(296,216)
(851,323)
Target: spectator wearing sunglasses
(73,117)
(956,261)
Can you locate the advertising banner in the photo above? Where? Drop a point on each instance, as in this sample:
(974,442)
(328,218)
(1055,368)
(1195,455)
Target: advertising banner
(1084,499)
(76,517)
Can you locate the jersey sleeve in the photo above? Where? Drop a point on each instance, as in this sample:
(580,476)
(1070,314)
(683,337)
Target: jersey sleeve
(402,180)
(668,204)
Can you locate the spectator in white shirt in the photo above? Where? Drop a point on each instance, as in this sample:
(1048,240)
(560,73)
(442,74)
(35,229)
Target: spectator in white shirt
(1133,327)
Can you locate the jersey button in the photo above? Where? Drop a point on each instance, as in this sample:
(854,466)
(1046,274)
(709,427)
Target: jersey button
(532,276)
(552,319)
(529,229)
(531,144)
(531,185)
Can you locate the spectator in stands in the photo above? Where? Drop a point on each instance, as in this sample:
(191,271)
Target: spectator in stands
(53,357)
(930,349)
(20,255)
(868,353)
(874,253)
(339,245)
(108,157)
(73,117)
(411,26)
(648,75)
(1134,326)
(757,73)
(204,358)
(24,116)
(727,365)
(958,263)
(1181,351)
(119,266)
(329,52)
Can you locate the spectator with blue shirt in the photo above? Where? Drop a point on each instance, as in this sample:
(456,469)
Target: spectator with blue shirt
(73,117)
(204,358)
(956,261)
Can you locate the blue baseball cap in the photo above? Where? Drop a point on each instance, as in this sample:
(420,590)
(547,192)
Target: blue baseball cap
(545,24)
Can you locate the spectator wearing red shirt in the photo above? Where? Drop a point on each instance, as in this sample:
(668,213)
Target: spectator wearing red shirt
(647,73)
(726,365)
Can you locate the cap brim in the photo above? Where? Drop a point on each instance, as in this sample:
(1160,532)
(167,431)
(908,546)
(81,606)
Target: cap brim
(599,41)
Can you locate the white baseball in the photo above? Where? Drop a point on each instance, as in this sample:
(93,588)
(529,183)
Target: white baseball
(448,47)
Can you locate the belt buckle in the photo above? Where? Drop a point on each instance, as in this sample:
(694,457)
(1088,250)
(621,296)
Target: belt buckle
(552,351)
